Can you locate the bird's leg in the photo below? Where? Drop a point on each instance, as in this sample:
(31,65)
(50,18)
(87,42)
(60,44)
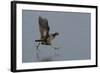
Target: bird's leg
(38,46)
(37,51)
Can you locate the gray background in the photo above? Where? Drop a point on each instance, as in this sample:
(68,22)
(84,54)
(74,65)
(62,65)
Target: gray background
(74,39)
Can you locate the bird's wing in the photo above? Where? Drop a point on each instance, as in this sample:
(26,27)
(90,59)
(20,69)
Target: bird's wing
(43,26)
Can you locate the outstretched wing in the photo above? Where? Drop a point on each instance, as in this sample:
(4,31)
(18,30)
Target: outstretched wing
(44,27)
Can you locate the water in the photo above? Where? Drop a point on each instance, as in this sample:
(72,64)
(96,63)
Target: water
(46,53)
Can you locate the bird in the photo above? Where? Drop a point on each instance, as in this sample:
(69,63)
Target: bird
(45,37)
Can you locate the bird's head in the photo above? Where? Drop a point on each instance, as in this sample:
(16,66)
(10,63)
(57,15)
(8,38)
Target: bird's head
(55,34)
